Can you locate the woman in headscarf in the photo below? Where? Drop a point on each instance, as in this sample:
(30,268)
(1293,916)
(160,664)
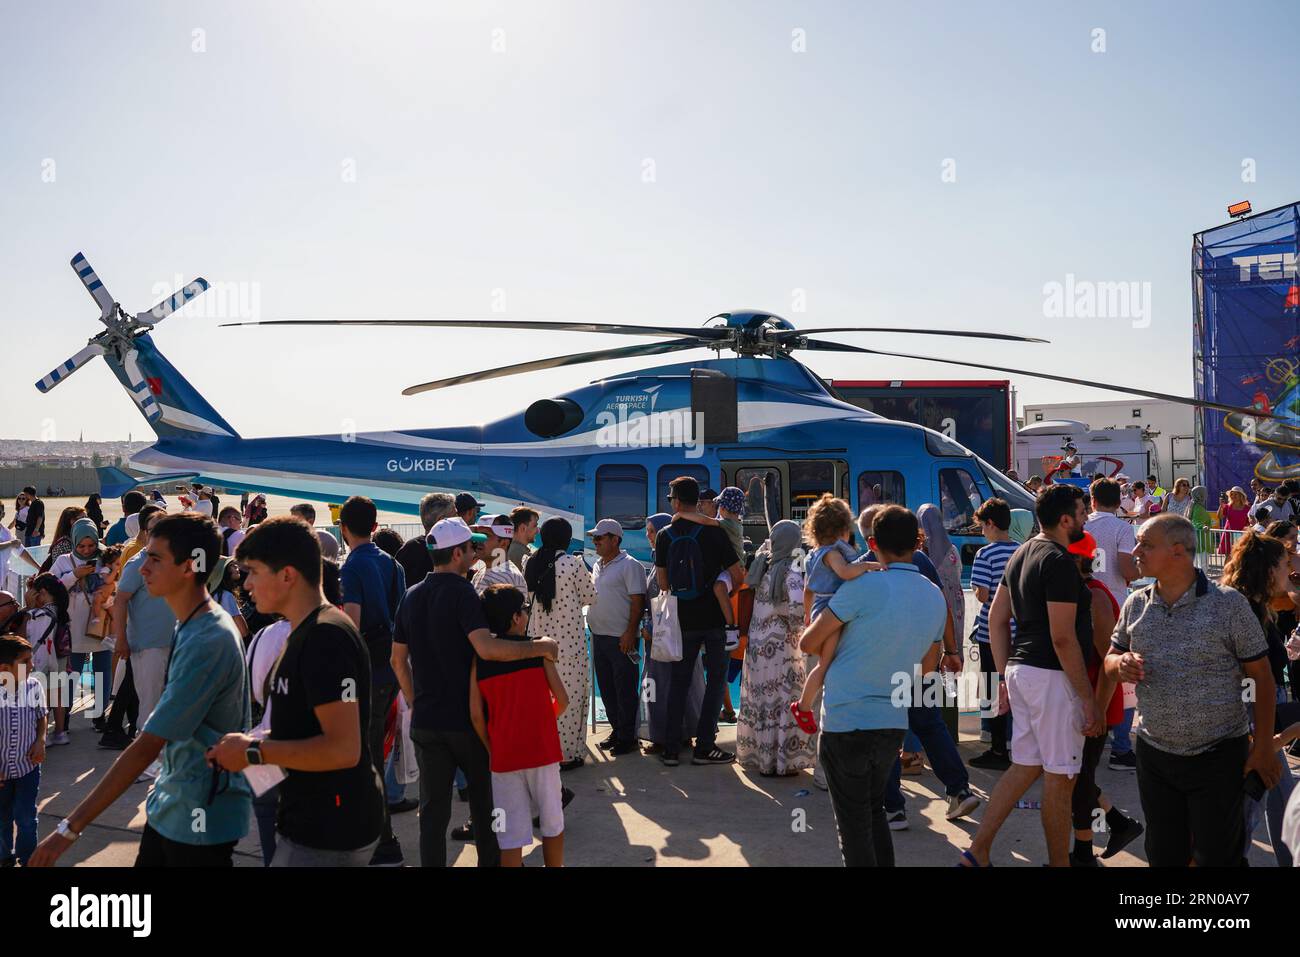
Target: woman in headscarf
(559,585)
(941,550)
(79,572)
(657,676)
(95,510)
(768,738)
(62,543)
(1022,525)
(1199,515)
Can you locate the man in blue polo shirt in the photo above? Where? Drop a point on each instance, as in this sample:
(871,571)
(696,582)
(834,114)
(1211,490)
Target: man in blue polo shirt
(195,814)
(373,585)
(891,620)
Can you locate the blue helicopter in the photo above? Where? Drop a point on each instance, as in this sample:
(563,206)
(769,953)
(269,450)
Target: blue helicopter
(758,419)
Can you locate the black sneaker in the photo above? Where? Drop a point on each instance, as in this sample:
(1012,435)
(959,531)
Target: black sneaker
(669,760)
(388,855)
(624,747)
(463,833)
(607,743)
(715,756)
(1089,861)
(404,805)
(1121,837)
(1128,761)
(991,760)
(114,741)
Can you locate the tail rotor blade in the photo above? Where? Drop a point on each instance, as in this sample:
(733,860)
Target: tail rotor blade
(173,302)
(93,285)
(72,365)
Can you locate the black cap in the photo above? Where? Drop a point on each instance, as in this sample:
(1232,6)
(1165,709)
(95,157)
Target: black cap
(465,501)
(707,493)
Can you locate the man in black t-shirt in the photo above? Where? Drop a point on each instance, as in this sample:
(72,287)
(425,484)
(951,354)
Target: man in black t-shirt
(439,628)
(703,625)
(1046,673)
(318,693)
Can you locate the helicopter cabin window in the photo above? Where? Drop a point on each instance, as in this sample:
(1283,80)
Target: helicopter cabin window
(669,472)
(762,488)
(959,496)
(881,488)
(621,494)
(809,481)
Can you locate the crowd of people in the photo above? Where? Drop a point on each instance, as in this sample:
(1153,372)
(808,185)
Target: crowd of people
(258,682)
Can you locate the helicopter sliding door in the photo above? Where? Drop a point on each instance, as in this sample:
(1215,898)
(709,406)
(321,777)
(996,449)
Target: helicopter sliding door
(777,489)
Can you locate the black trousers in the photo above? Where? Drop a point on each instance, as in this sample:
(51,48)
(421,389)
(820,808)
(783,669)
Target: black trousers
(998,723)
(126,704)
(616,676)
(1193,805)
(857,766)
(1083,801)
(158,851)
(382,697)
(438,754)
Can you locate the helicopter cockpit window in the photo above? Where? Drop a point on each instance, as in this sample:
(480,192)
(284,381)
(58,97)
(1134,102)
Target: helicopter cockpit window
(936,443)
(881,488)
(1013,493)
(959,496)
(621,494)
(669,472)
(762,488)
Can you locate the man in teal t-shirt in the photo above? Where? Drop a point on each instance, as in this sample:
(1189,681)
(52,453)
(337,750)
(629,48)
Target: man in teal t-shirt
(195,814)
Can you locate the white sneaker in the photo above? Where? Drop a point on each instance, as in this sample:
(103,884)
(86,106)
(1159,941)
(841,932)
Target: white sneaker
(986,737)
(959,805)
(733,639)
(897,820)
(58,737)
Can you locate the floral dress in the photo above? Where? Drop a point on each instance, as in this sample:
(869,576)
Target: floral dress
(768,738)
(573,590)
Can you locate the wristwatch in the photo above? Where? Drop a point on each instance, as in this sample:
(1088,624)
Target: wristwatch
(254,753)
(64,830)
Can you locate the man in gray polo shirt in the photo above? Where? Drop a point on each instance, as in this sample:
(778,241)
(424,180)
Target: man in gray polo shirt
(1197,653)
(613,620)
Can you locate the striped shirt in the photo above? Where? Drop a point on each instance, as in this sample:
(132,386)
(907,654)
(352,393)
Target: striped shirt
(990,561)
(501,573)
(21,711)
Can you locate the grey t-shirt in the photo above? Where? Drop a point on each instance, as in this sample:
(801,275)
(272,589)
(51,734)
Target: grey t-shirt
(1191,696)
(616,583)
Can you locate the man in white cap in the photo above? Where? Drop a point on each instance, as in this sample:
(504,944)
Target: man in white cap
(439,629)
(495,567)
(620,601)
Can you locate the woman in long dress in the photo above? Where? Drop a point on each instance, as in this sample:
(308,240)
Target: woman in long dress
(768,738)
(559,585)
(941,550)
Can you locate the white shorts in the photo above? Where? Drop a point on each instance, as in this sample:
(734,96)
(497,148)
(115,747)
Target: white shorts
(519,796)
(1046,731)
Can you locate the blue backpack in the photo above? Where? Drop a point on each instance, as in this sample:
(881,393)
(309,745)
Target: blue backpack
(685,562)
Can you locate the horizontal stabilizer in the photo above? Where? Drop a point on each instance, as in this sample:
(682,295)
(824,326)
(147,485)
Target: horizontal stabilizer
(114,483)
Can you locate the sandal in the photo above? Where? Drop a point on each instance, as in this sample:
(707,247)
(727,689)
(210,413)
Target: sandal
(912,763)
(968,861)
(807,723)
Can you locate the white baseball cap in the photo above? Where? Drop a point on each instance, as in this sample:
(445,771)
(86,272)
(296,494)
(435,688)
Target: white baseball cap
(498,525)
(606,526)
(451,532)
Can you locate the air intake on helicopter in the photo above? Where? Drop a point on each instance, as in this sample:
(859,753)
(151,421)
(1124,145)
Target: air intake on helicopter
(548,418)
(713,406)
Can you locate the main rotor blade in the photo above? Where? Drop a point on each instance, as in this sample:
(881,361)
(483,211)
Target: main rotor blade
(623,352)
(93,285)
(70,366)
(173,302)
(821,346)
(710,333)
(787,334)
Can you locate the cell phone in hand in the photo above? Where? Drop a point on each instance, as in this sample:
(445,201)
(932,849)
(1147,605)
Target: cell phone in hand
(1254,786)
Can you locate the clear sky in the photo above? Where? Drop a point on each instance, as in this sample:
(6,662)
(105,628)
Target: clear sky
(650,162)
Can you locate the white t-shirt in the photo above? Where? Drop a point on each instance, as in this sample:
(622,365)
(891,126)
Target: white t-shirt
(203,506)
(1143,505)
(263,650)
(1114,537)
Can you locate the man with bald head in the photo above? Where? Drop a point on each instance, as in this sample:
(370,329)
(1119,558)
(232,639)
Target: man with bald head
(1193,648)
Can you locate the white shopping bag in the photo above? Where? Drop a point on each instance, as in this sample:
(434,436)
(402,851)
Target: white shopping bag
(404,766)
(666,637)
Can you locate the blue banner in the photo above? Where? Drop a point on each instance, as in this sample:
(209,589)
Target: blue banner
(1247,311)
